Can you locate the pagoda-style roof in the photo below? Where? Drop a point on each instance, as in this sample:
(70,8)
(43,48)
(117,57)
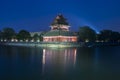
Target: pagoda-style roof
(59,33)
(60,20)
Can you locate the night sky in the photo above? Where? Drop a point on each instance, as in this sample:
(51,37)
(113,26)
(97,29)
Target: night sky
(37,15)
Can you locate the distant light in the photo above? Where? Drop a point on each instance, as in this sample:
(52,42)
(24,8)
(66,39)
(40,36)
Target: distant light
(97,41)
(5,40)
(1,40)
(16,40)
(21,40)
(26,40)
(86,40)
(38,40)
(32,40)
(102,41)
(12,40)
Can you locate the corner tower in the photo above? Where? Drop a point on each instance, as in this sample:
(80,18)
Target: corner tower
(59,31)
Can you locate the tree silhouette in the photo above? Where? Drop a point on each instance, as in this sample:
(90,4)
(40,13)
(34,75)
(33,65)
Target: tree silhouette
(109,36)
(86,33)
(36,37)
(8,33)
(23,35)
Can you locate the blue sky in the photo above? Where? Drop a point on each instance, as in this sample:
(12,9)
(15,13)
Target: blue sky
(37,15)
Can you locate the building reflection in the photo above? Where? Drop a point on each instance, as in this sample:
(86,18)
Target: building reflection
(58,59)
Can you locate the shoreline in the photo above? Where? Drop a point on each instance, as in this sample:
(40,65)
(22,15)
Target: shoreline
(60,44)
(42,44)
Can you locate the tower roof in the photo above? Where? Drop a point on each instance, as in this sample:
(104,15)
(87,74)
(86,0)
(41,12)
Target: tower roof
(60,20)
(59,33)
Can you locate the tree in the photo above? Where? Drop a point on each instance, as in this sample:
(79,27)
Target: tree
(8,33)
(23,35)
(108,35)
(41,36)
(86,33)
(115,36)
(36,37)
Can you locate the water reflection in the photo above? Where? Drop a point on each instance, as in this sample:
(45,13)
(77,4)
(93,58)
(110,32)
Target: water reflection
(58,59)
(21,63)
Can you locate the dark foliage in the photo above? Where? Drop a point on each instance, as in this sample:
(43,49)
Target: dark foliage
(108,36)
(23,35)
(8,33)
(86,33)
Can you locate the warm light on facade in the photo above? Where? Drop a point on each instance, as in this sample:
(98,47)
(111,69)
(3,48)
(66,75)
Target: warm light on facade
(60,39)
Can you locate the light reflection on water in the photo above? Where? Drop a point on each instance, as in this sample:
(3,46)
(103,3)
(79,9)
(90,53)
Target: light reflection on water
(21,63)
(62,58)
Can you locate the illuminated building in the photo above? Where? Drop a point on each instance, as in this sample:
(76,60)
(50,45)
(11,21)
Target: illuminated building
(60,31)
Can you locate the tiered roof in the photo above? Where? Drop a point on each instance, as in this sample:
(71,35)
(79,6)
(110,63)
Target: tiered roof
(59,20)
(60,33)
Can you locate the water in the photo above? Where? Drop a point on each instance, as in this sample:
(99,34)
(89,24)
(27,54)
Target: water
(21,63)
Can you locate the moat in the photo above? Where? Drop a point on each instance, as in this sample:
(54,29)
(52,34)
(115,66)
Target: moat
(35,63)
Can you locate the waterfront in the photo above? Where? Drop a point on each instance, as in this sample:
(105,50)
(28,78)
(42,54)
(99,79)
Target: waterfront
(35,63)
